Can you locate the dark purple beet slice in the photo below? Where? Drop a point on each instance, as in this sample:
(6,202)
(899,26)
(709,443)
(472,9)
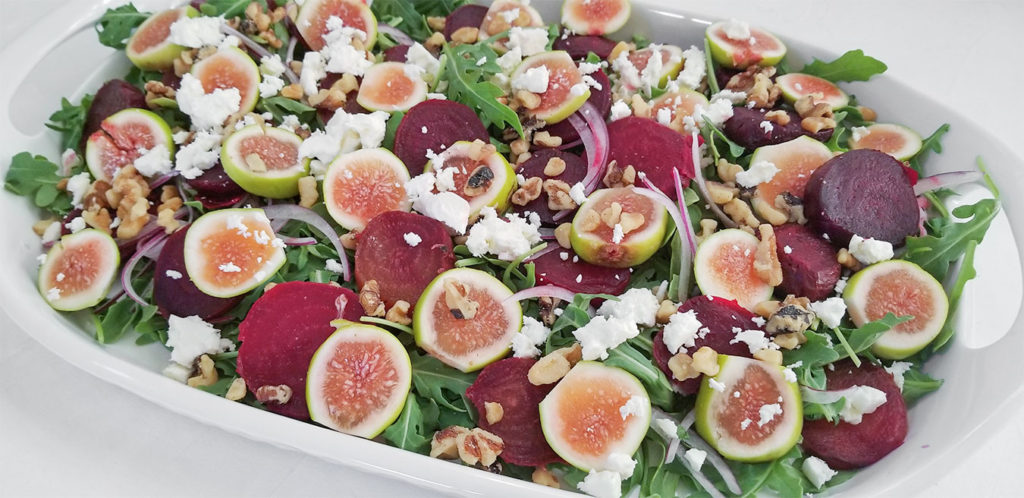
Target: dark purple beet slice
(396,53)
(579,46)
(505,382)
(434,125)
(180,296)
(551,269)
(214,182)
(809,267)
(601,99)
(575,171)
(720,316)
(282,331)
(113,96)
(863,192)
(723,75)
(471,16)
(651,148)
(401,270)
(847,446)
(744,128)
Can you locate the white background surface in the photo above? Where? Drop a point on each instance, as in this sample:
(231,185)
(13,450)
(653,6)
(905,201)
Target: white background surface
(65,433)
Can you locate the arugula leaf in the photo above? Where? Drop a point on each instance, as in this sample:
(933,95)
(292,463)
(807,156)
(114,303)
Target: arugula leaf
(70,120)
(466,84)
(851,66)
(281,107)
(628,358)
(964,275)
(812,356)
(115,322)
(931,144)
(116,25)
(934,253)
(227,8)
(402,14)
(780,475)
(917,383)
(574,316)
(441,383)
(713,134)
(37,177)
(219,388)
(415,426)
(391,129)
(861,338)
(711,78)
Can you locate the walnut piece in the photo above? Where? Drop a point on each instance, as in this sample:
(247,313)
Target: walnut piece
(206,373)
(681,366)
(741,213)
(767,355)
(546,139)
(847,260)
(562,233)
(493,412)
(665,311)
(128,194)
(549,369)
(465,35)
(399,313)
(528,191)
(369,298)
(236,390)
(555,166)
(558,195)
(456,297)
(766,258)
(544,477)
(721,193)
(705,361)
(478,446)
(308,194)
(280,394)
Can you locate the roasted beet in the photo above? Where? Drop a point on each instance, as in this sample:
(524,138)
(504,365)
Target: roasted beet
(575,171)
(396,53)
(214,182)
(720,316)
(552,269)
(863,192)
(505,382)
(175,294)
(467,16)
(434,125)
(744,128)
(809,265)
(601,99)
(282,331)
(848,446)
(579,46)
(401,270)
(113,96)
(651,148)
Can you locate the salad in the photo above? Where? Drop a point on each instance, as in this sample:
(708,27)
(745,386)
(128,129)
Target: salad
(515,243)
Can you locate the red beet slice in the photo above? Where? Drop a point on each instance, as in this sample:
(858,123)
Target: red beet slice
(467,16)
(434,125)
(847,446)
(809,266)
(505,382)
(575,171)
(551,269)
(579,46)
(396,53)
(720,316)
(651,148)
(744,128)
(214,182)
(179,296)
(402,271)
(282,331)
(601,99)
(113,96)
(863,192)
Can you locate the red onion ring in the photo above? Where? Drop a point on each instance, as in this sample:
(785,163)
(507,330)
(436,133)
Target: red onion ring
(296,212)
(945,180)
(544,291)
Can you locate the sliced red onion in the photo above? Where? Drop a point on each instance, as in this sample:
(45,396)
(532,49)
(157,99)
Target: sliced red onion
(146,248)
(290,55)
(682,222)
(593,131)
(702,186)
(296,212)
(922,215)
(257,48)
(691,236)
(395,33)
(688,420)
(298,241)
(945,180)
(159,181)
(546,233)
(716,461)
(545,250)
(544,291)
(702,480)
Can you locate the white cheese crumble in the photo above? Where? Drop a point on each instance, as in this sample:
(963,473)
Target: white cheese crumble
(76,225)
(173,274)
(767,413)
(412,238)
(754,339)
(860,400)
(338,53)
(638,306)
(207,110)
(154,162)
(577,193)
(841,285)
(870,251)
(717,386)
(419,56)
(510,60)
(191,337)
(602,484)
(666,428)
(333,266)
(621,464)
(53,294)
(602,334)
(78,185)
(767,126)
(507,238)
(196,32)
(817,471)
(789,374)
(830,311)
(695,457)
(694,68)
(665,116)
(270,86)
(681,331)
(736,30)
(447,207)
(634,406)
(897,369)
(272,65)
(533,80)
(529,41)
(229,267)
(758,173)
(532,334)
(732,96)
(858,132)
(620,110)
(313,70)
(345,132)
(617,234)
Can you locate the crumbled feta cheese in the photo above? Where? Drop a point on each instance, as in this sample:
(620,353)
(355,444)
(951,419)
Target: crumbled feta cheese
(681,331)
(695,457)
(754,339)
(507,238)
(191,337)
(270,86)
(638,305)
(860,400)
(177,372)
(617,234)
(445,179)
(420,57)
(621,464)
(732,96)
(603,333)
(694,68)
(447,207)
(154,162)
(817,471)
(897,369)
(532,334)
(857,133)
(830,311)
(313,70)
(634,406)
(767,126)
(53,294)
(736,30)
(196,32)
(272,65)
(578,90)
(207,110)
(601,484)
(338,53)
(180,137)
(717,386)
(533,80)
(787,250)
(716,113)
(41,259)
(529,41)
(76,225)
(841,285)
(789,374)
(229,267)
(620,110)
(758,173)
(577,193)
(333,266)
(412,238)
(592,83)
(768,413)
(79,184)
(510,60)
(666,428)
(870,251)
(345,132)
(173,274)
(665,116)
(510,15)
